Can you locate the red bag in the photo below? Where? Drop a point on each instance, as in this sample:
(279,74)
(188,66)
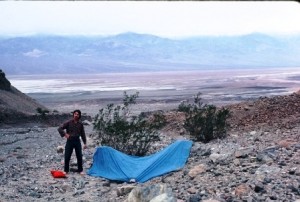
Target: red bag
(58,174)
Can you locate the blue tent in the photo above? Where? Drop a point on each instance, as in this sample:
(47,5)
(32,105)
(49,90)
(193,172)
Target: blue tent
(114,165)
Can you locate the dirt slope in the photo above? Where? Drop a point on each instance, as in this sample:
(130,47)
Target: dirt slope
(14,104)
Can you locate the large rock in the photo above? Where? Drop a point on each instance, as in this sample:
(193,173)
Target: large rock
(4,83)
(154,193)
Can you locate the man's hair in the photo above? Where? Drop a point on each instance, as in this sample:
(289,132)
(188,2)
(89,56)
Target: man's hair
(78,111)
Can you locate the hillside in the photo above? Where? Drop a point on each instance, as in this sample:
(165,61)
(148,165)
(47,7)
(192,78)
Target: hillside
(15,105)
(277,112)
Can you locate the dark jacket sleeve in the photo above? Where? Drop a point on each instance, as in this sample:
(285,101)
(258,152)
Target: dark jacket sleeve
(61,129)
(83,137)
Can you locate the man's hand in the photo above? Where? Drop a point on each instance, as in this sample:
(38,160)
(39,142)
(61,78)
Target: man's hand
(84,146)
(67,136)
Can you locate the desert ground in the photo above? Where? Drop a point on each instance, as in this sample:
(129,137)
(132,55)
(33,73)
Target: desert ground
(257,161)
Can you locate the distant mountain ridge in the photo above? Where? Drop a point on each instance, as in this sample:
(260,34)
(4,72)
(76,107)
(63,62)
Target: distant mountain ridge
(131,52)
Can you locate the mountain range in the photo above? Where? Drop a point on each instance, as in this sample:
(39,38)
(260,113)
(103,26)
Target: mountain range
(132,52)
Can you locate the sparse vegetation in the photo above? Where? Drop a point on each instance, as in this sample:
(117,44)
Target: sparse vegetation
(42,112)
(204,122)
(132,134)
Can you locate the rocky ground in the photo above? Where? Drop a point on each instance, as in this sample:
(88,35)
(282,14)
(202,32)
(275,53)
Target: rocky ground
(258,161)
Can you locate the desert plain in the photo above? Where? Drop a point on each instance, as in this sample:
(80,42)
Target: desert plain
(157,90)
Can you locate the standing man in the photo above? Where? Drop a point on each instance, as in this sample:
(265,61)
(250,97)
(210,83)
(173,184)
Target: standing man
(72,130)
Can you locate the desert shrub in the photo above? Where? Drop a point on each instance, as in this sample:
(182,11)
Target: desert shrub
(132,134)
(42,111)
(204,122)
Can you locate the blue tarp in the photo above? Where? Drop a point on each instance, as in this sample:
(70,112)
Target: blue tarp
(115,165)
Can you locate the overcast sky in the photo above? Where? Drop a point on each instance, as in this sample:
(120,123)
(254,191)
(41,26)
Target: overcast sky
(167,19)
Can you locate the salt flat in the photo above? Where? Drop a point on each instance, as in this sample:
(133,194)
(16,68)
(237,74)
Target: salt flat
(157,90)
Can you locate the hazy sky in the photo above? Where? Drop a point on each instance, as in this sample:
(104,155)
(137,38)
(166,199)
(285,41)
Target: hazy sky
(168,19)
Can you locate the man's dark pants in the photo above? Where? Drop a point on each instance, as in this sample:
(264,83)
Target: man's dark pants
(70,145)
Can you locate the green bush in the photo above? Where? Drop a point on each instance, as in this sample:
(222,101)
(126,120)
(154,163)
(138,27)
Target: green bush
(42,112)
(132,134)
(204,122)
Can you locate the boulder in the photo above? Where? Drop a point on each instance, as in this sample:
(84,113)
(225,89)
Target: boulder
(155,192)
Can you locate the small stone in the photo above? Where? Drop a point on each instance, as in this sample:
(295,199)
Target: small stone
(60,149)
(197,170)
(242,190)
(2,159)
(192,190)
(124,190)
(259,187)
